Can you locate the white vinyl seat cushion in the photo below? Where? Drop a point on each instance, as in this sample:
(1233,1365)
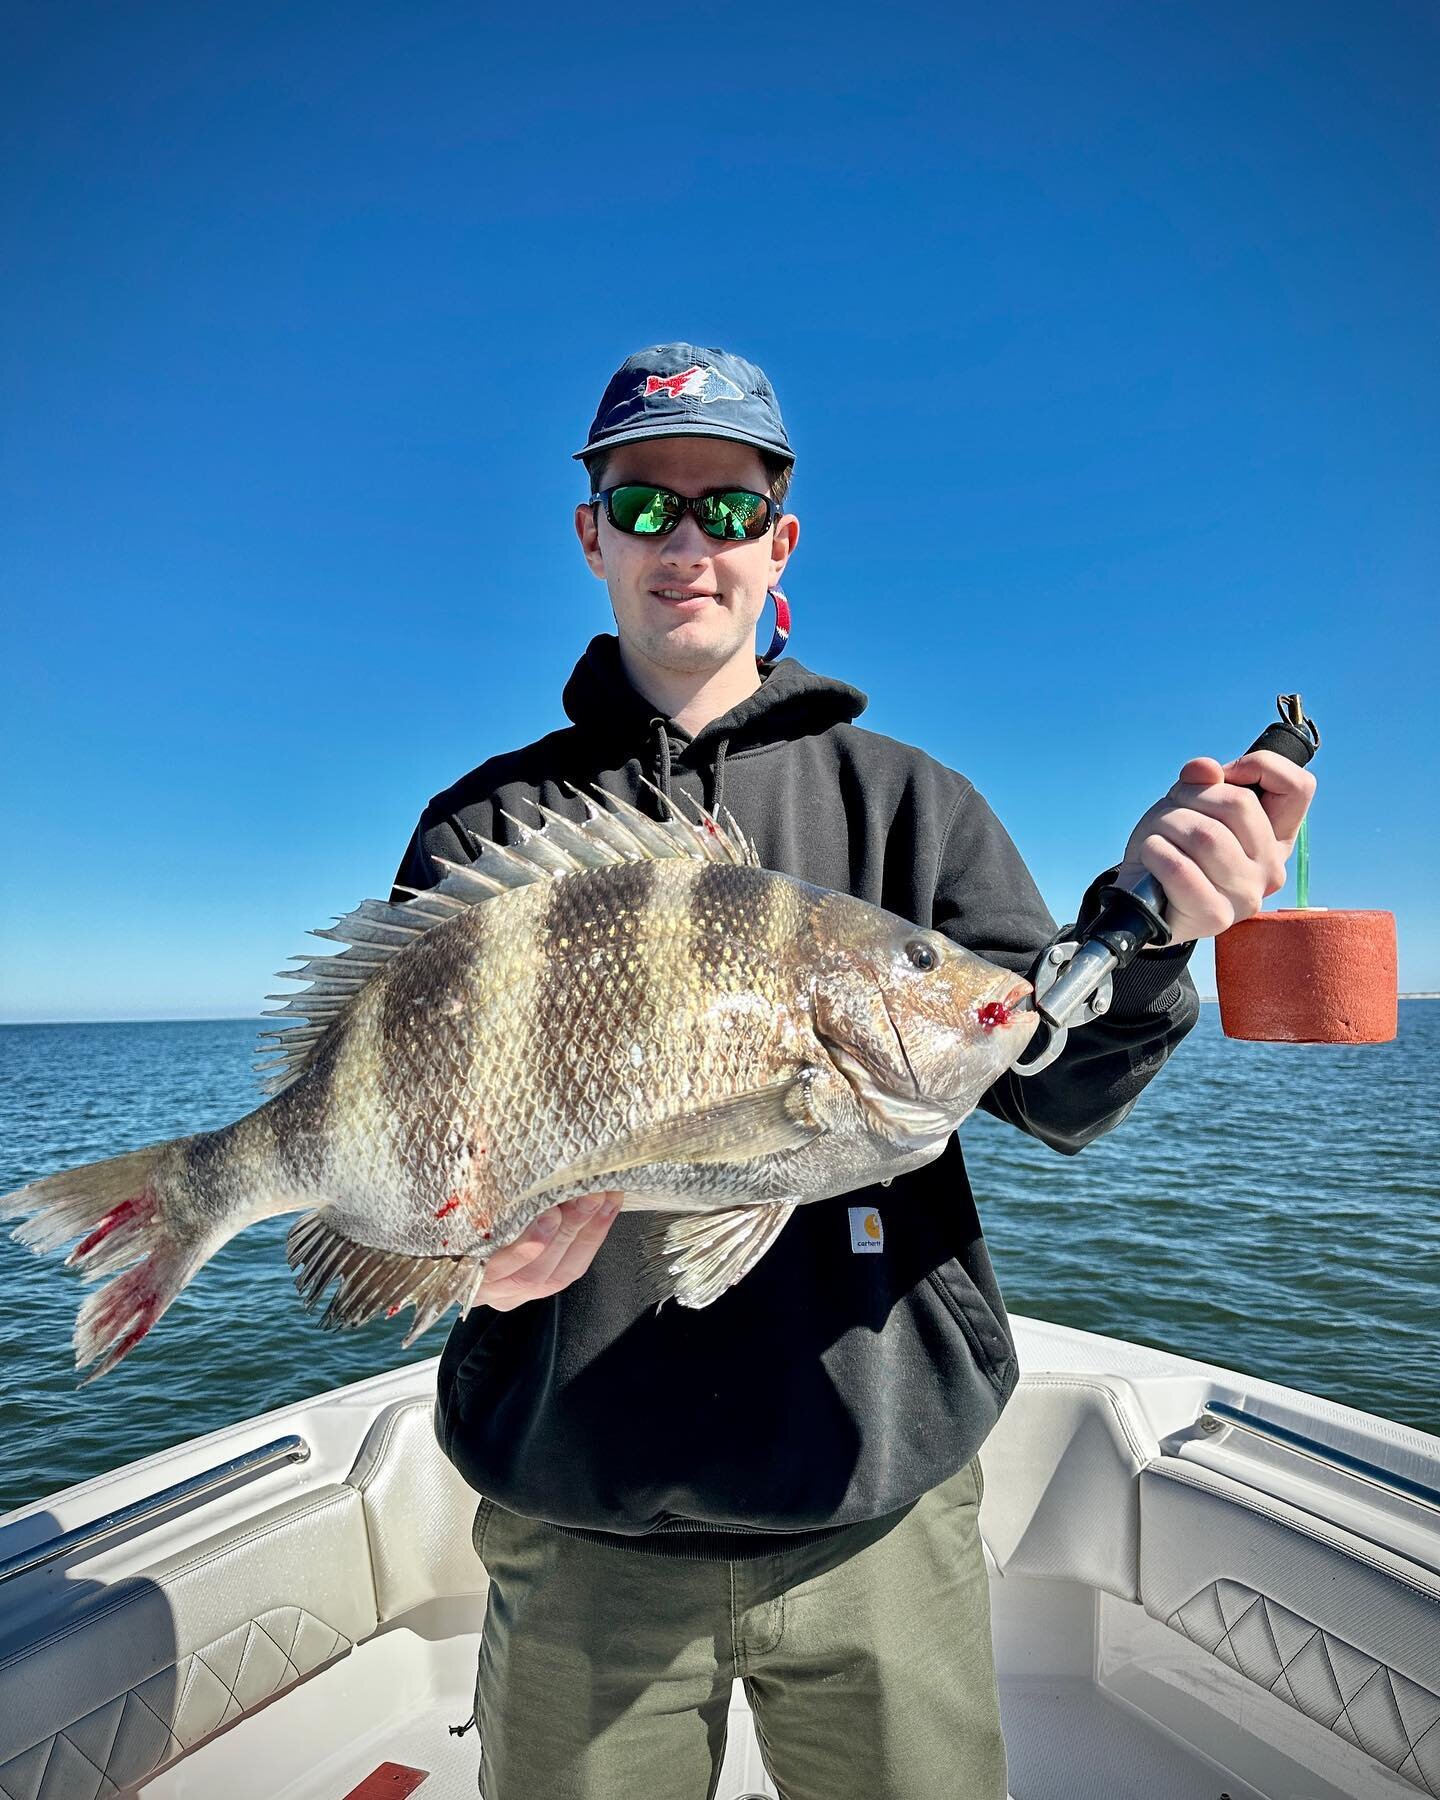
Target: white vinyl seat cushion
(1343,1630)
(123,1679)
(418,1511)
(1064,1455)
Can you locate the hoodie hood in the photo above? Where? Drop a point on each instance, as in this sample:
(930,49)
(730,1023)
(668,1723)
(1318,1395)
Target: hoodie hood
(791,702)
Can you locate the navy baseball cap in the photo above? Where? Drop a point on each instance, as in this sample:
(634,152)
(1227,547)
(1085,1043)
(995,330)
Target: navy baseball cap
(683,390)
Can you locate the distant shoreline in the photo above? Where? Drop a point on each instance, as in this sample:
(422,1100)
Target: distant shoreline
(260,1019)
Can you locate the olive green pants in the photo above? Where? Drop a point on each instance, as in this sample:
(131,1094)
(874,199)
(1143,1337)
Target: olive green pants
(605,1673)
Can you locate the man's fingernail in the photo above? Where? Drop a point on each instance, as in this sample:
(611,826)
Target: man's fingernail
(587,1204)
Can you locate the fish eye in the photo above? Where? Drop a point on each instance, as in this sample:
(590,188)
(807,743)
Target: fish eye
(920,954)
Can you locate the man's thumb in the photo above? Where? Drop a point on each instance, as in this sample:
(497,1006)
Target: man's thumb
(1202,771)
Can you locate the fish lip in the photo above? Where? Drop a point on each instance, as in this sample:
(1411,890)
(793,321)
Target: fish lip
(1016,998)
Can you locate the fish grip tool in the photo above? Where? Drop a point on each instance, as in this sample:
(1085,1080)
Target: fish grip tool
(1074,980)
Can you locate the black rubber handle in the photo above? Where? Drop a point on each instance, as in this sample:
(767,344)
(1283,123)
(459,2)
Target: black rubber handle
(1285,740)
(1126,921)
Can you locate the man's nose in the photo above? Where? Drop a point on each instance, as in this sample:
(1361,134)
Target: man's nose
(686,544)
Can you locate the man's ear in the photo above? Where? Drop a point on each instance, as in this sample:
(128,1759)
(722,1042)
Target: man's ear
(587,529)
(786,537)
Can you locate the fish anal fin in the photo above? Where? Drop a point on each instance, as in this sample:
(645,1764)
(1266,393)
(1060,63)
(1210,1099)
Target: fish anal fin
(695,1258)
(761,1123)
(375,1281)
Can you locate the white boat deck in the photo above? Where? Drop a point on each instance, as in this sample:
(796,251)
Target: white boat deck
(394,1700)
(1182,1610)
(1065,1741)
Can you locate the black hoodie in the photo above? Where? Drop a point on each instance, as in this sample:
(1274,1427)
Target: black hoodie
(827,1386)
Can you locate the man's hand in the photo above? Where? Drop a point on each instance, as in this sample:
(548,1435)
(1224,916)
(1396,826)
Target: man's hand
(557,1249)
(1216,848)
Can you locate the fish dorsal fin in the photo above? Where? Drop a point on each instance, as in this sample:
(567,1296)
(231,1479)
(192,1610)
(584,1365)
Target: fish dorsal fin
(612,832)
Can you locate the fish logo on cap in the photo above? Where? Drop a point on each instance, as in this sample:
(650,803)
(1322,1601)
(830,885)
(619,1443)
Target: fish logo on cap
(695,383)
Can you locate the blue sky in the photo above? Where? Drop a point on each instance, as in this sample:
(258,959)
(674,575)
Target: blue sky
(1106,337)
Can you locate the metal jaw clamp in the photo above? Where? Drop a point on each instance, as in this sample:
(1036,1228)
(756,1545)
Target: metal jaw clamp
(1074,981)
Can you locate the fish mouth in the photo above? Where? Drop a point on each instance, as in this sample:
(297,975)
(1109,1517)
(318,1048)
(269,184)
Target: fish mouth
(1011,1001)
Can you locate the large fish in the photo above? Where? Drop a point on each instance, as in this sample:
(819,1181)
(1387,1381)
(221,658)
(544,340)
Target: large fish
(624,1003)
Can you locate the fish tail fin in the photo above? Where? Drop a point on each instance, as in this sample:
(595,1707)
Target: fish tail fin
(118,1210)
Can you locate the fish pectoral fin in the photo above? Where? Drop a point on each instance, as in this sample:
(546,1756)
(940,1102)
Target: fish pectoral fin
(758,1124)
(695,1258)
(375,1281)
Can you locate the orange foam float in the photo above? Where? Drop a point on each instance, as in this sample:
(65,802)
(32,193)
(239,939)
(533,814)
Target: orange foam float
(1307,975)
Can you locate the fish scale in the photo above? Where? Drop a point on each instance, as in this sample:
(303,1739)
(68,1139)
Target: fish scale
(611,1002)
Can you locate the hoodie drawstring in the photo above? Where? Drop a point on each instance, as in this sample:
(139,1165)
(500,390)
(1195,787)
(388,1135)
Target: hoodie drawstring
(717,791)
(660,727)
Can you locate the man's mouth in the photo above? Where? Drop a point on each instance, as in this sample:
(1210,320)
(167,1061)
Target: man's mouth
(682,593)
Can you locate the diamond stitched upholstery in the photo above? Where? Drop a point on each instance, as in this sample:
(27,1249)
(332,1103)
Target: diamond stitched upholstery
(110,1682)
(1349,1631)
(127,1738)
(1372,1706)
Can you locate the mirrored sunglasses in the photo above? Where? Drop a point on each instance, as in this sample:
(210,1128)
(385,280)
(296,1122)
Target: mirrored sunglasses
(730,514)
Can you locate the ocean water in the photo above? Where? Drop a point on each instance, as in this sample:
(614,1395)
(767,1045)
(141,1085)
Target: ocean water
(1271,1208)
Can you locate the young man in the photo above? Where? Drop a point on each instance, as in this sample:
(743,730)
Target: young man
(782,1487)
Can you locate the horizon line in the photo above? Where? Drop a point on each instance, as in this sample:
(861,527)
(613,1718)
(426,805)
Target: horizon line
(259,1018)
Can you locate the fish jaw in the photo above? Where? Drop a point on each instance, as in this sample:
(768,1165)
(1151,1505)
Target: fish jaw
(910,1122)
(917,1026)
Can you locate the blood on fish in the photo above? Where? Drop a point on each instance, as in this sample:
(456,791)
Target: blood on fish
(993,1013)
(390,1311)
(130,1340)
(112,1221)
(448,1207)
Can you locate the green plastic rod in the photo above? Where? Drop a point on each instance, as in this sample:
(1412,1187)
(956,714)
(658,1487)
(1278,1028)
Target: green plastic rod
(1302,864)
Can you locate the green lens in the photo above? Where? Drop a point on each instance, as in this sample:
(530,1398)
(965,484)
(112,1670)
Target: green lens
(734,514)
(643,510)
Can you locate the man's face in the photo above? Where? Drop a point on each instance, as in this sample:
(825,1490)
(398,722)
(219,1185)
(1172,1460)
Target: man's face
(684,602)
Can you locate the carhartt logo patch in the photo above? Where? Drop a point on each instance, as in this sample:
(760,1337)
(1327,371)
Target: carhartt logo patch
(695,383)
(867,1234)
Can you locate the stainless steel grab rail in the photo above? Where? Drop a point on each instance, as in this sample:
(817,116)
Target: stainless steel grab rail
(1215,1414)
(282,1450)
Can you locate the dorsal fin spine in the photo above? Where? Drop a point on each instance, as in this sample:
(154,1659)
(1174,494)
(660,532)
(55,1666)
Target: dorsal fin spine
(613,832)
